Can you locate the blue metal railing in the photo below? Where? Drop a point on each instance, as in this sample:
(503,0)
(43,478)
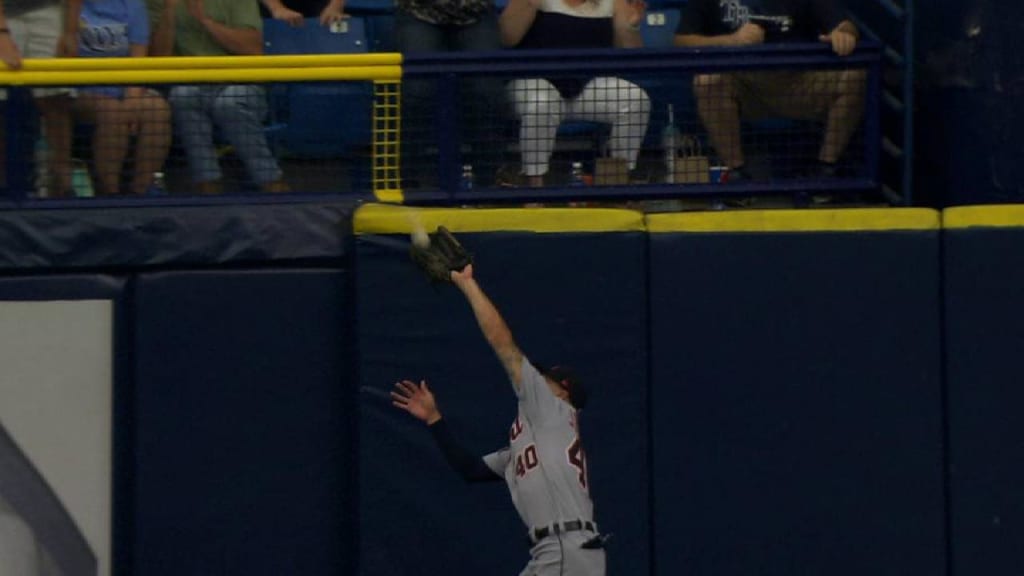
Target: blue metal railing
(891,24)
(447,69)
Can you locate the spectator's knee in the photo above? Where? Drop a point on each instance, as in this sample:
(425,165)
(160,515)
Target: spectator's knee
(234,101)
(638,100)
(184,97)
(539,104)
(853,81)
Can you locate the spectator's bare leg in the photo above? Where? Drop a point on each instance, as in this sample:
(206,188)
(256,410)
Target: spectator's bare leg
(56,111)
(844,115)
(718,106)
(153,139)
(110,138)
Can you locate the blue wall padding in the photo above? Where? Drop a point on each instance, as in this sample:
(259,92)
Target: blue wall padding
(565,303)
(207,234)
(984,299)
(62,287)
(796,403)
(244,443)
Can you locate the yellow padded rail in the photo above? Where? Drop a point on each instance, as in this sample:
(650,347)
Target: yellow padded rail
(203,69)
(846,220)
(386,219)
(997,216)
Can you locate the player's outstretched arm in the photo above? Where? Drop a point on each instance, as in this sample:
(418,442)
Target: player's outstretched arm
(418,400)
(493,326)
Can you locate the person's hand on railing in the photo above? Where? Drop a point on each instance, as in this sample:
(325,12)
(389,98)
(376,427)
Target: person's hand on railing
(286,14)
(842,40)
(748,34)
(332,13)
(9,52)
(635,13)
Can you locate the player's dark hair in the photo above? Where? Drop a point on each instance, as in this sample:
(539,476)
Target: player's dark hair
(564,377)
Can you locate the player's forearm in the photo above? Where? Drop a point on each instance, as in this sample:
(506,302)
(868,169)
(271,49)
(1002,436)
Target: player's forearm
(492,325)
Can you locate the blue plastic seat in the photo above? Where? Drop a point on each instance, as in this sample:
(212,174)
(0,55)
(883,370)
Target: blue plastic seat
(319,119)
(658,27)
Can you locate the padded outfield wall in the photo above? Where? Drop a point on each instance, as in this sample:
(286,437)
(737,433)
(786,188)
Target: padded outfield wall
(766,387)
(773,392)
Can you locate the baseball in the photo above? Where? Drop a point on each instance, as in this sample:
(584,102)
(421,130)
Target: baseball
(420,239)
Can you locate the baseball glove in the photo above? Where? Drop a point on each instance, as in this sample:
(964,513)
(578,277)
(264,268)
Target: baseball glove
(439,257)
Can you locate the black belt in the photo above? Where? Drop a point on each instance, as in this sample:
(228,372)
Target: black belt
(538,534)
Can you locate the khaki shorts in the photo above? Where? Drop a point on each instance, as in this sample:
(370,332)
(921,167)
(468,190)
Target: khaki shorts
(36,34)
(804,95)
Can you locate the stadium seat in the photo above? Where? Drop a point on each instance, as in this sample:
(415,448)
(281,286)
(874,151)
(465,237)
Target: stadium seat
(341,123)
(659,27)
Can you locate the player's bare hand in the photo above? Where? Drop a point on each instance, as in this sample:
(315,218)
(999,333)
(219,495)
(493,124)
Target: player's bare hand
(460,277)
(416,399)
(9,52)
(843,42)
(748,34)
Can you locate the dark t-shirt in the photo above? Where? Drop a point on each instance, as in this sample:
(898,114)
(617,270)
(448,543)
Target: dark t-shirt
(783,20)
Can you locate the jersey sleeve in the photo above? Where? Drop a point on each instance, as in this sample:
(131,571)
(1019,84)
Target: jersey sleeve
(498,461)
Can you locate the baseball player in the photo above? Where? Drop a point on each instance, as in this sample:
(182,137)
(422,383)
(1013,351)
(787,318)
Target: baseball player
(544,464)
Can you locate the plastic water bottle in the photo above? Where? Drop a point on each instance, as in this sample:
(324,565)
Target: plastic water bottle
(670,139)
(81,181)
(158,187)
(41,159)
(466,182)
(576,177)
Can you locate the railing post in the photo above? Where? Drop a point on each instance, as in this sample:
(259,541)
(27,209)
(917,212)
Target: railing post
(448,141)
(20,143)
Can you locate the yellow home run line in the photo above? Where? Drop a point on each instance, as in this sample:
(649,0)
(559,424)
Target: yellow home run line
(193,62)
(996,216)
(844,220)
(199,76)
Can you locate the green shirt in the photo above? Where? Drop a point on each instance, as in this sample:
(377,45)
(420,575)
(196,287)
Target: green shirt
(191,39)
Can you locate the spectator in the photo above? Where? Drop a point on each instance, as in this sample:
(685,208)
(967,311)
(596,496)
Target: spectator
(45,29)
(333,12)
(427,26)
(112,29)
(837,96)
(217,28)
(543,103)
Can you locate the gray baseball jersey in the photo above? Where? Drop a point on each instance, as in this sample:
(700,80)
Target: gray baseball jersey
(545,468)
